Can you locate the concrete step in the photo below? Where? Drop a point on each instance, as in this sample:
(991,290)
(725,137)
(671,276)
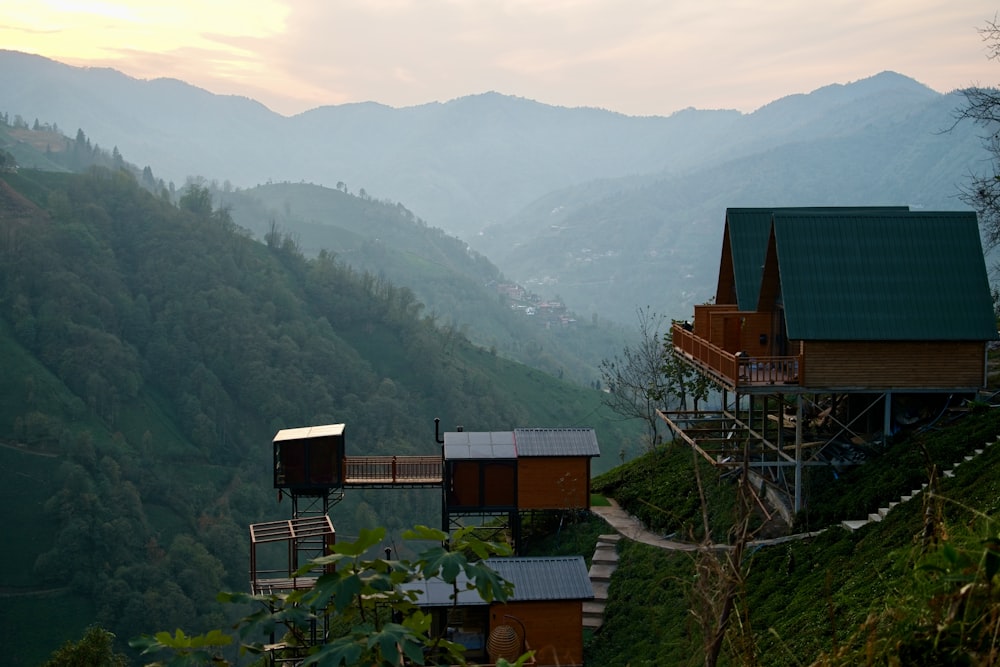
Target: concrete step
(605,556)
(853,524)
(600,590)
(874,516)
(601,572)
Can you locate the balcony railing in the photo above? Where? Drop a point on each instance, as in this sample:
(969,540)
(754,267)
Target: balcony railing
(402,470)
(736,369)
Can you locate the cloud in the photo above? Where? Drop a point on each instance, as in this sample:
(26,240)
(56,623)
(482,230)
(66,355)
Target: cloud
(640,57)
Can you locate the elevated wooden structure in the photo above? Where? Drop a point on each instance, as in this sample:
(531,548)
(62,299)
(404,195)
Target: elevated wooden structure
(830,329)
(298,541)
(484,477)
(499,475)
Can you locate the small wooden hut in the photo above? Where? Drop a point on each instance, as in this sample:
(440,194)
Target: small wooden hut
(545,612)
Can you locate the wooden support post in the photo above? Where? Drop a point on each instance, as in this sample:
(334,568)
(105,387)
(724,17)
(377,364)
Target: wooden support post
(798,453)
(887,420)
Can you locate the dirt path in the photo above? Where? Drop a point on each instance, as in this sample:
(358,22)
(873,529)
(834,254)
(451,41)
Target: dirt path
(629,526)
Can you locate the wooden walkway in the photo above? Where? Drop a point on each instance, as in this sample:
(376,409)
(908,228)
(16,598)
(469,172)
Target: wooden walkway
(382,471)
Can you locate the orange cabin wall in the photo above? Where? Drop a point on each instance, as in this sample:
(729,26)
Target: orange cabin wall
(733,330)
(890,364)
(554,629)
(553,482)
(482,483)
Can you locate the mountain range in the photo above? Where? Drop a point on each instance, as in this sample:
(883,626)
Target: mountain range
(608,212)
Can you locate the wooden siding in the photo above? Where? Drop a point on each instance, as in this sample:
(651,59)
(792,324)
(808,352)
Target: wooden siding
(554,628)
(734,330)
(553,482)
(481,484)
(890,364)
(703,317)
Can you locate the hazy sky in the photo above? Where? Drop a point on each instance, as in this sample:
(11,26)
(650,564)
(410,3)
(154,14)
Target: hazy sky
(639,57)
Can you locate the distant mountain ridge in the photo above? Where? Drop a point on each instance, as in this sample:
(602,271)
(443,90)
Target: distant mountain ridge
(635,191)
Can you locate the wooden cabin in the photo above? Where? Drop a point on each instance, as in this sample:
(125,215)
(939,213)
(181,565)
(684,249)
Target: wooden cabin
(852,318)
(880,299)
(308,460)
(545,611)
(524,469)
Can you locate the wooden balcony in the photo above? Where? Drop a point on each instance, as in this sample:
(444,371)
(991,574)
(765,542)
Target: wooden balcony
(736,371)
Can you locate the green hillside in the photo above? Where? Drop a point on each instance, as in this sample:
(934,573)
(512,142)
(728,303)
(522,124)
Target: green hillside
(912,589)
(458,287)
(150,353)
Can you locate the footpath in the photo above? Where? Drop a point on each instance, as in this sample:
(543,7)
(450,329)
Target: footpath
(605,559)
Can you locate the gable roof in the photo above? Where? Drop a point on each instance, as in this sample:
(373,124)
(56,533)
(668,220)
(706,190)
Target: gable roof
(534,579)
(881,275)
(744,249)
(556,442)
(521,442)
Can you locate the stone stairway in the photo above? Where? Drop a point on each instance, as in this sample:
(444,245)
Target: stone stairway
(855,524)
(602,566)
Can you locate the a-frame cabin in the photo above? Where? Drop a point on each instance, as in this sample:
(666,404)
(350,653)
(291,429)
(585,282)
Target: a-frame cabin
(837,325)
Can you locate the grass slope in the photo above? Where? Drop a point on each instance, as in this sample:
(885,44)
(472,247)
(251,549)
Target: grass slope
(809,596)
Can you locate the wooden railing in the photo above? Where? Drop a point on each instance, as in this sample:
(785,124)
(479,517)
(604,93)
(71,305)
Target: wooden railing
(393,470)
(738,370)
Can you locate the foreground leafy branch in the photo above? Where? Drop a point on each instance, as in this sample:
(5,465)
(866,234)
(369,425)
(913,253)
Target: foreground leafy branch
(366,613)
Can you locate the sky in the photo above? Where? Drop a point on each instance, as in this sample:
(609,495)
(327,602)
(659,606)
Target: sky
(637,57)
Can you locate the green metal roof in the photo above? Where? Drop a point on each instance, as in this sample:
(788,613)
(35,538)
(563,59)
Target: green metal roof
(749,229)
(883,275)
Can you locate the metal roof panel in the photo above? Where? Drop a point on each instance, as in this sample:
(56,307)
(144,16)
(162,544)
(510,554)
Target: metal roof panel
(882,275)
(556,442)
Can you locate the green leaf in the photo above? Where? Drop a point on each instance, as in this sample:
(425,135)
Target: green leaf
(440,562)
(422,532)
(342,651)
(211,638)
(367,538)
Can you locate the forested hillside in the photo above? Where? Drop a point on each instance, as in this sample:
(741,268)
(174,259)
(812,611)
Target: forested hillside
(611,213)
(152,350)
(459,287)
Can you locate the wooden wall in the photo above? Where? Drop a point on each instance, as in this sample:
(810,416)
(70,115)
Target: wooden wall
(481,483)
(554,628)
(561,482)
(735,331)
(891,364)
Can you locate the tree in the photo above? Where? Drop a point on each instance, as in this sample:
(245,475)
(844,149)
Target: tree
(983,108)
(372,616)
(95,649)
(648,376)
(197,200)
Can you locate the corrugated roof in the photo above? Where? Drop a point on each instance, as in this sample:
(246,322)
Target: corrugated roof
(462,445)
(436,593)
(554,578)
(749,230)
(556,442)
(534,579)
(883,276)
